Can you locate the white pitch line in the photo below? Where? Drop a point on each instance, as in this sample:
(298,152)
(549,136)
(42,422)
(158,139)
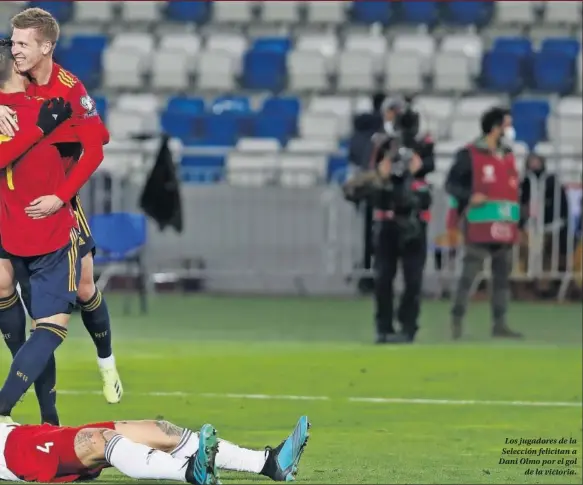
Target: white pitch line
(371,400)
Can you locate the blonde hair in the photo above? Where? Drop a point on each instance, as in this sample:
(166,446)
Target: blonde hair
(40,20)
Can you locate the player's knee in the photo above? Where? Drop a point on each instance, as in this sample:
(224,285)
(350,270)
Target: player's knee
(90,444)
(6,278)
(86,288)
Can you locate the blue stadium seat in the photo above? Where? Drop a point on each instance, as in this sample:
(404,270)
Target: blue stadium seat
(264,70)
(553,72)
(531,108)
(469,12)
(372,12)
(62,11)
(178,124)
(281,105)
(181,11)
(276,44)
(85,65)
(94,43)
(101,106)
(529,130)
(202,169)
(230,104)
(185,105)
(221,129)
(521,46)
(337,169)
(420,12)
(562,45)
(501,71)
(119,234)
(279,126)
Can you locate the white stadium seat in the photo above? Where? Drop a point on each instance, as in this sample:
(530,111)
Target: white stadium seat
(186,44)
(123,68)
(310,145)
(127,123)
(239,12)
(258,145)
(171,70)
(452,72)
(566,129)
(465,128)
(515,12)
(300,170)
(325,44)
(561,12)
(141,11)
(92,12)
(356,71)
(579,73)
(570,106)
(339,106)
(328,12)
(307,71)
(436,113)
(469,45)
(375,45)
(140,103)
(422,46)
(319,126)
(251,169)
(476,105)
(404,72)
(235,44)
(142,43)
(279,12)
(216,71)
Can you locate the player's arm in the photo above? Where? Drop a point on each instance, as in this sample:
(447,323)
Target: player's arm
(92,135)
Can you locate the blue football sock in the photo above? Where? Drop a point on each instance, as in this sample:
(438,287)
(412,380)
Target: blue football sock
(46,392)
(95,316)
(29,363)
(12,322)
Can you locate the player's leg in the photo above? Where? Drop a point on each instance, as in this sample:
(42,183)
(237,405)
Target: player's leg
(95,447)
(280,463)
(53,285)
(94,312)
(12,317)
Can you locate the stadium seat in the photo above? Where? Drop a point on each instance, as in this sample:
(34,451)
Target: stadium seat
(222,129)
(515,13)
(85,65)
(531,108)
(404,72)
(302,170)
(566,130)
(258,145)
(553,72)
(529,130)
(264,70)
(319,126)
(325,44)
(274,44)
(368,12)
(464,129)
(101,106)
(145,103)
(92,12)
(520,46)
(280,12)
(469,45)
(139,42)
(356,72)
(62,11)
(570,106)
(307,71)
(580,72)
(452,72)
(193,11)
(562,45)
(202,169)
(186,105)
(122,68)
(435,113)
(141,11)
(474,107)
(170,71)
(329,12)
(469,12)
(370,43)
(281,126)
(339,106)
(420,12)
(562,13)
(250,169)
(422,46)
(234,44)
(239,12)
(216,71)
(502,71)
(231,104)
(128,123)
(289,106)
(338,167)
(309,145)
(187,44)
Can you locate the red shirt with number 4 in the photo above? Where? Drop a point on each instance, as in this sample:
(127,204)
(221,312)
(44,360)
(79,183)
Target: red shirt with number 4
(30,167)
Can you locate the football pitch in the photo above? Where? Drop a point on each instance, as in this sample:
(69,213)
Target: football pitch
(433,412)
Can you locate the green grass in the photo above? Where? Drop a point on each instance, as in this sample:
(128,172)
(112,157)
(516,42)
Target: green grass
(321,347)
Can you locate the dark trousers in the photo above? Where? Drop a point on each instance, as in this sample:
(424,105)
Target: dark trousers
(389,251)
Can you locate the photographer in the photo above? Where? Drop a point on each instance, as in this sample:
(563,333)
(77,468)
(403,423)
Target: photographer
(399,202)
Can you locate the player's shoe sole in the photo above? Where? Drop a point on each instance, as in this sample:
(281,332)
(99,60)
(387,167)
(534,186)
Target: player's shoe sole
(112,386)
(201,469)
(283,463)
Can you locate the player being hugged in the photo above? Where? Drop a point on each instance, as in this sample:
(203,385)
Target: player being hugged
(35,33)
(143,450)
(43,252)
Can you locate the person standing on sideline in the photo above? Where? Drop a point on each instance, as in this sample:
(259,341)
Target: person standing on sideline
(483,181)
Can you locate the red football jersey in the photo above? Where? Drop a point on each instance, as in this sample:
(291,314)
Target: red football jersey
(88,129)
(33,167)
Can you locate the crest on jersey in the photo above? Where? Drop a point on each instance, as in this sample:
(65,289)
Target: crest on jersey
(88,105)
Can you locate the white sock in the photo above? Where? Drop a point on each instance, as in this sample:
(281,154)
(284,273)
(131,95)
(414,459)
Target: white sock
(143,463)
(229,457)
(106,363)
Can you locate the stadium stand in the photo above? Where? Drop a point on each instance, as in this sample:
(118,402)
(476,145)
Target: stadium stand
(290,75)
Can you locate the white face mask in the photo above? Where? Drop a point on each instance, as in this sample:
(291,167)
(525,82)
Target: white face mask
(509,135)
(388,126)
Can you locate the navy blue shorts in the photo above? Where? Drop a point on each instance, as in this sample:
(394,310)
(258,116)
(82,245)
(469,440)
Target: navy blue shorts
(49,283)
(86,242)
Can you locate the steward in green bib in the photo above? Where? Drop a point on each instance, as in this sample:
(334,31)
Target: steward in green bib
(483,183)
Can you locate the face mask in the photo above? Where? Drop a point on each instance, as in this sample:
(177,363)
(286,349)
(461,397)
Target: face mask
(509,135)
(388,125)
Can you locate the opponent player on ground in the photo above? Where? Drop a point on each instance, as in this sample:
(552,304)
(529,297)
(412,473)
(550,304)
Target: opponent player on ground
(43,252)
(35,34)
(154,450)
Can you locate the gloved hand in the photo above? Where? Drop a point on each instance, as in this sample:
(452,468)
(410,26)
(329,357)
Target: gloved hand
(53,112)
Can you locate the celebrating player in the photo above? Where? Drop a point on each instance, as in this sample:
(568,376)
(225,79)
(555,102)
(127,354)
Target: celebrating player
(35,34)
(147,450)
(43,252)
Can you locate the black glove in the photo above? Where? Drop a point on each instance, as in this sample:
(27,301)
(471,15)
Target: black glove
(52,113)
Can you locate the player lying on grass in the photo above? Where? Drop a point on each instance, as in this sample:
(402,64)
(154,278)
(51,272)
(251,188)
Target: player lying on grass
(143,450)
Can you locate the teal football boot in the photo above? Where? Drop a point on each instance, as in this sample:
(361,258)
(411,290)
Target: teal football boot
(200,469)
